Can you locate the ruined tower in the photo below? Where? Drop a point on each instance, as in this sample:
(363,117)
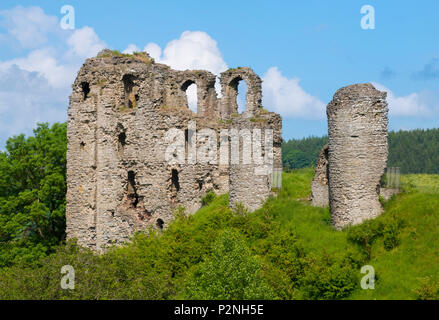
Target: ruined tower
(126,113)
(357,153)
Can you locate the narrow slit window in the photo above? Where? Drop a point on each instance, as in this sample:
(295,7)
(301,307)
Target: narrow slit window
(85,90)
(131,189)
(175,180)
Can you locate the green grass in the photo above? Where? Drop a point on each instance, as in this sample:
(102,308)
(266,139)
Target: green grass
(400,270)
(425,183)
(142,56)
(288,247)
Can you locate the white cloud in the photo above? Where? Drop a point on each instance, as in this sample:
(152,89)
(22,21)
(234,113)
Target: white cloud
(29,26)
(193,50)
(35,87)
(191,93)
(286,97)
(131,49)
(154,50)
(197,50)
(413,104)
(59,67)
(44,62)
(27,98)
(85,42)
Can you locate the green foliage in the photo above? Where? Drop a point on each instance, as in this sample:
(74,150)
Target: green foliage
(240,209)
(426,183)
(32,194)
(415,151)
(230,272)
(285,250)
(116,53)
(329,278)
(366,234)
(302,153)
(208,198)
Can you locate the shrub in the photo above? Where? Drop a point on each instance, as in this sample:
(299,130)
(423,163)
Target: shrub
(230,272)
(283,250)
(208,198)
(328,278)
(387,227)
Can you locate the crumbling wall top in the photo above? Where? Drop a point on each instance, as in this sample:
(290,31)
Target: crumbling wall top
(229,90)
(357,93)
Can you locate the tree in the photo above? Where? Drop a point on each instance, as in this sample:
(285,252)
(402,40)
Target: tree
(230,272)
(32,194)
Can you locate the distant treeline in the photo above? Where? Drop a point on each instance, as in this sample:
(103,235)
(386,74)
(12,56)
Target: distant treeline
(415,151)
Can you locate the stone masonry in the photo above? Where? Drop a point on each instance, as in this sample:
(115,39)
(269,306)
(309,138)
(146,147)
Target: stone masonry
(320,188)
(118,178)
(357,153)
(319,185)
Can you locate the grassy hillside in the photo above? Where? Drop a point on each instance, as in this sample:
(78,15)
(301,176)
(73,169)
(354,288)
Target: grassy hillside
(285,250)
(412,268)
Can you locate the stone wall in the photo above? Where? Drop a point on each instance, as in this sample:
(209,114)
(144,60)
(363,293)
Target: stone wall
(250,180)
(357,127)
(319,184)
(121,109)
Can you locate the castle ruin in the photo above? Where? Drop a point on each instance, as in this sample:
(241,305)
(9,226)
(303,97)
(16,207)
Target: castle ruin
(119,176)
(350,167)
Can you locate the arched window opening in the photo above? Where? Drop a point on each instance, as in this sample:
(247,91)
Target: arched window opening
(237,95)
(241,99)
(190,88)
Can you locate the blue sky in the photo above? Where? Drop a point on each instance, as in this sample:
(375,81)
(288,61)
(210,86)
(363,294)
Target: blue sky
(303,50)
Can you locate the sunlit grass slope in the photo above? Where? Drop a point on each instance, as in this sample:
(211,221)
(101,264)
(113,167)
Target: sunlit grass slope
(285,250)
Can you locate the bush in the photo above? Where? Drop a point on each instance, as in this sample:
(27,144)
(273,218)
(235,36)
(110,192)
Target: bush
(122,273)
(230,272)
(208,198)
(283,250)
(44,282)
(386,227)
(328,278)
